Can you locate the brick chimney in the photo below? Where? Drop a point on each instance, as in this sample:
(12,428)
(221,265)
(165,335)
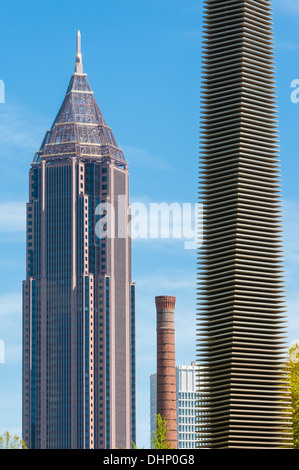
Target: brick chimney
(166,374)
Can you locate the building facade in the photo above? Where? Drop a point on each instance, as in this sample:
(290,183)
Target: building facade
(241,319)
(78,296)
(189,403)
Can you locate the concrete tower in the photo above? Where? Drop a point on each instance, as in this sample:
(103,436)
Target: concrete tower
(242,325)
(79,300)
(166,372)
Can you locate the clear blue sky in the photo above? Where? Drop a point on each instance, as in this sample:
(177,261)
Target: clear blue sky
(143,62)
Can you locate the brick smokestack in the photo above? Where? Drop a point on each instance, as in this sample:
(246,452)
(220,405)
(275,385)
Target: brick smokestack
(166,375)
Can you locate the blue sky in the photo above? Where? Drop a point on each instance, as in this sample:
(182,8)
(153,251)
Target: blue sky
(143,63)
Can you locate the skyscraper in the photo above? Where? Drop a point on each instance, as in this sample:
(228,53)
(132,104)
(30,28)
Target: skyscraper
(79,300)
(242,324)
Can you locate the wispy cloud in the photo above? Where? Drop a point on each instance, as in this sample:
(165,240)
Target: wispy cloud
(166,280)
(286,46)
(11,326)
(291,6)
(20,126)
(192,34)
(145,158)
(291,230)
(10,307)
(12,217)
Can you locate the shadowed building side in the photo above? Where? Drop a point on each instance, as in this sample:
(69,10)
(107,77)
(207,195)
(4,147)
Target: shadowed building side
(166,372)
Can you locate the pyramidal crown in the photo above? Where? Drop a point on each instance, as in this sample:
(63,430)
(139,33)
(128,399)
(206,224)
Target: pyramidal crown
(79,128)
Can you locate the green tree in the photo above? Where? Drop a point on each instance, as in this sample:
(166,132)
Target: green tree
(293,363)
(7,441)
(159,440)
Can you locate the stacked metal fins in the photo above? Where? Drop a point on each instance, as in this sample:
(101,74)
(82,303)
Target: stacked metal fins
(241,315)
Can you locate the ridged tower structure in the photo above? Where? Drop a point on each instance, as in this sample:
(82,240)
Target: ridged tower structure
(79,300)
(241,318)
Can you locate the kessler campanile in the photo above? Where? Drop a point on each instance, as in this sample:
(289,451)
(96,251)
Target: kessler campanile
(78,297)
(242,326)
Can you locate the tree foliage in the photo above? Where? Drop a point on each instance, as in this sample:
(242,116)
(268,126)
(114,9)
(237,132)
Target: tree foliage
(293,362)
(159,440)
(8,441)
